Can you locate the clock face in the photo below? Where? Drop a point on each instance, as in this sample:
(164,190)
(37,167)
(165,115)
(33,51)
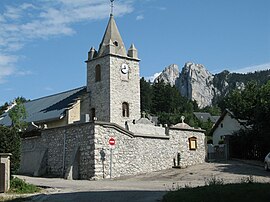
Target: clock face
(124,68)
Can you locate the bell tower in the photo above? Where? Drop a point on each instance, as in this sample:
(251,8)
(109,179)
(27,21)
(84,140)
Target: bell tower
(113,79)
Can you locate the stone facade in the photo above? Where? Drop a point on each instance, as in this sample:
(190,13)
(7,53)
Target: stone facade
(108,85)
(99,92)
(82,151)
(52,153)
(114,88)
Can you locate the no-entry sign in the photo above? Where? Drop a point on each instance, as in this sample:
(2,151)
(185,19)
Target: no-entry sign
(112,141)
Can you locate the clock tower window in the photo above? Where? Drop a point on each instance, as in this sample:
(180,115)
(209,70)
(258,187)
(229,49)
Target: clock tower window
(93,113)
(98,73)
(125,109)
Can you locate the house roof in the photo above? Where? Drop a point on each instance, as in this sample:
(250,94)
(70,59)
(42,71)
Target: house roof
(225,112)
(48,108)
(203,116)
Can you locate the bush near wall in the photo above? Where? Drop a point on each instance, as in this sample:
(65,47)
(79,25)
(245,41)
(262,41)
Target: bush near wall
(10,143)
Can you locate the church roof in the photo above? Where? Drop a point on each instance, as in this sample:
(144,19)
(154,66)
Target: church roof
(47,108)
(113,38)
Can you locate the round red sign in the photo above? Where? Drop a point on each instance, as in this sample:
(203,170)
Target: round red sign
(112,141)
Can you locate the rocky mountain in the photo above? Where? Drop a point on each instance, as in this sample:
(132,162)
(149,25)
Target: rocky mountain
(169,75)
(197,83)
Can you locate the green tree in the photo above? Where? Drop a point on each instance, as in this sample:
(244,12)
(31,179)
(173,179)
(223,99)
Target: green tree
(253,104)
(17,115)
(10,143)
(146,95)
(3,108)
(10,136)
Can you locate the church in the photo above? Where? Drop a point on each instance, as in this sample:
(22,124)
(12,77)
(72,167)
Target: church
(70,133)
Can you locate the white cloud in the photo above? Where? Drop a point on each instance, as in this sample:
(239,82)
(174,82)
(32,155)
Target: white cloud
(24,73)
(22,23)
(252,68)
(6,66)
(140,17)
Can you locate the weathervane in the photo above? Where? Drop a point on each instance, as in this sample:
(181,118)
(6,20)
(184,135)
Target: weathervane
(112,7)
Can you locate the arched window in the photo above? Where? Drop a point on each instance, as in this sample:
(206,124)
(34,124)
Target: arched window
(125,109)
(98,73)
(93,113)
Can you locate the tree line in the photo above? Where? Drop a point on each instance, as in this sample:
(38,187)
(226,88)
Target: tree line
(165,101)
(253,105)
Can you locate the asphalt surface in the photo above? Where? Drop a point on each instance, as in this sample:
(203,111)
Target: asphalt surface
(145,187)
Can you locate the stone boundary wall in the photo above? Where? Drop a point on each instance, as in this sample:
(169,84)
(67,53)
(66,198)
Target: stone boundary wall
(82,151)
(61,144)
(140,154)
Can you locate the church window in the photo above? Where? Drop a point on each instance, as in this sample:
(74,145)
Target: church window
(192,143)
(125,109)
(115,43)
(93,113)
(98,73)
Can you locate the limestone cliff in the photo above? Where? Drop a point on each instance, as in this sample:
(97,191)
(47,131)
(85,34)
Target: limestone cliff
(196,83)
(169,75)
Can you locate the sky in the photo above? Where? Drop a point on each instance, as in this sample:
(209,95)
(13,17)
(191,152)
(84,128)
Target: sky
(44,43)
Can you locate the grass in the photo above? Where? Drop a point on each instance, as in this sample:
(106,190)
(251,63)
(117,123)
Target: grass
(19,186)
(215,191)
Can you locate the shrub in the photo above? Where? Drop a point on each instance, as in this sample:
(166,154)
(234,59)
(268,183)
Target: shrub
(20,186)
(10,143)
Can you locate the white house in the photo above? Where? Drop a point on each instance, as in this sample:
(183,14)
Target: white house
(226,125)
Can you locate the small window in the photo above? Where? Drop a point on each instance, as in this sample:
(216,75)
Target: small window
(98,73)
(192,143)
(125,109)
(115,43)
(221,125)
(93,113)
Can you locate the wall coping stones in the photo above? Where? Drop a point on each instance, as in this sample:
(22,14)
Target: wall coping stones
(152,136)
(127,132)
(116,127)
(187,129)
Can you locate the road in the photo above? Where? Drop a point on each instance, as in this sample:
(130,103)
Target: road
(144,187)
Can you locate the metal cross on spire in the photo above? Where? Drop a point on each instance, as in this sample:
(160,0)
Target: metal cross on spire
(112,1)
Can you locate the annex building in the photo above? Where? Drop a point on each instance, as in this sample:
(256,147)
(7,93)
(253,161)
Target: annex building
(68,133)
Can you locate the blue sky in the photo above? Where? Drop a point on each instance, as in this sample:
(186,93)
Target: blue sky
(44,43)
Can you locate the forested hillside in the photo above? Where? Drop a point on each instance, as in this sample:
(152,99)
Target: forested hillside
(226,82)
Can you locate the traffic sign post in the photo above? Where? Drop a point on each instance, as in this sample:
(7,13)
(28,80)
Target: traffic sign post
(112,144)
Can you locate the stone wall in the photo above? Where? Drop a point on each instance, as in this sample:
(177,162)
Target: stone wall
(135,153)
(180,140)
(124,89)
(107,95)
(61,144)
(99,91)
(84,148)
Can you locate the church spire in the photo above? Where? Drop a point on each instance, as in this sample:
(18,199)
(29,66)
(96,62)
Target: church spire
(112,35)
(112,7)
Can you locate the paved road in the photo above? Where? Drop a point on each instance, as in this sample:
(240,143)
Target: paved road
(145,187)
